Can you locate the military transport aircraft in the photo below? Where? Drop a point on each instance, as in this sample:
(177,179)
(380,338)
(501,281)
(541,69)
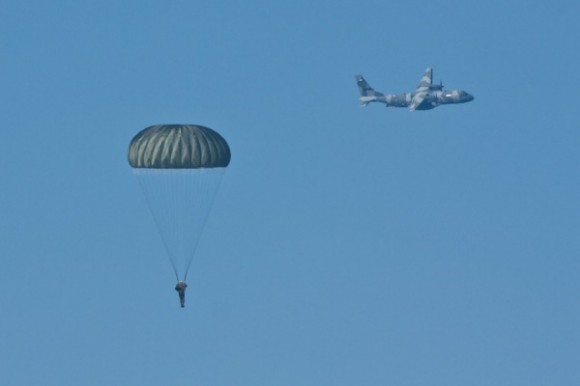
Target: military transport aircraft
(426,96)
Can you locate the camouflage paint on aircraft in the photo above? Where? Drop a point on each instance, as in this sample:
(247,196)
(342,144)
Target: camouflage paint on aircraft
(426,96)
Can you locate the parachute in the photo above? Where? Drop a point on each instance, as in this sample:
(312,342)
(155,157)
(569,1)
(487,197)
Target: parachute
(179,168)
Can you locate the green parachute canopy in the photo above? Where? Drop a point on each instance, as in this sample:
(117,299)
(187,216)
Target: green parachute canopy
(178,147)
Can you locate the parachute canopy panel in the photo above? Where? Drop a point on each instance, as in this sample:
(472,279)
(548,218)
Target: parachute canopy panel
(178,147)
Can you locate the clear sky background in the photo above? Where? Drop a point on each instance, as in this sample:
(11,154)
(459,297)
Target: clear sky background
(346,246)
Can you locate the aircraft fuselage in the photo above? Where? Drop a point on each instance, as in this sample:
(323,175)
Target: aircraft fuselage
(430,100)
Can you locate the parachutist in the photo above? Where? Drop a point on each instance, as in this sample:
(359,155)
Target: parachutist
(180,288)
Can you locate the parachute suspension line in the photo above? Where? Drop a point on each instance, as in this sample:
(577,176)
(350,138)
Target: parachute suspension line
(180,201)
(208,189)
(154,185)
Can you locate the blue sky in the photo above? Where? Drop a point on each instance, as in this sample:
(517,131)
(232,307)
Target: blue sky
(346,246)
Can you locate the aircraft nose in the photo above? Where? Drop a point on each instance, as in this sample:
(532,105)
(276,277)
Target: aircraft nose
(468,97)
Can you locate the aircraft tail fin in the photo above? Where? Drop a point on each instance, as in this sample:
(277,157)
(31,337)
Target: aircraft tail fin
(364,88)
(367,93)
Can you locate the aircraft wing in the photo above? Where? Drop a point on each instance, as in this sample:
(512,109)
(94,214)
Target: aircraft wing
(426,80)
(418,98)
